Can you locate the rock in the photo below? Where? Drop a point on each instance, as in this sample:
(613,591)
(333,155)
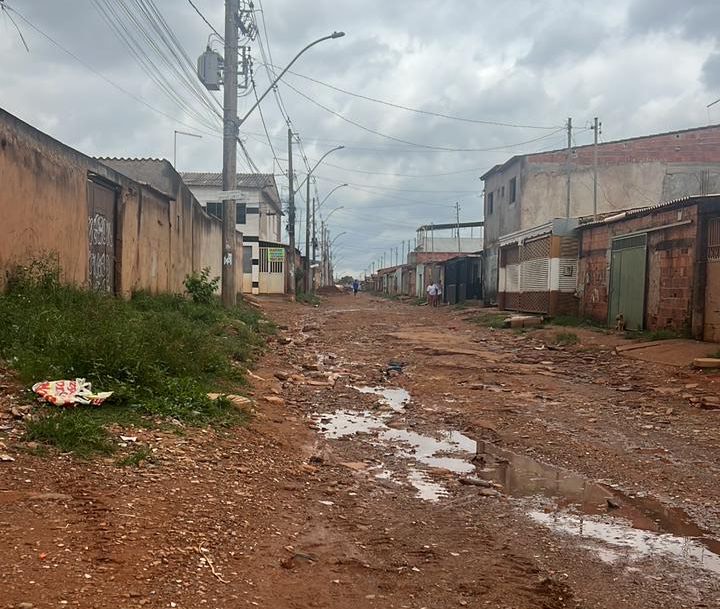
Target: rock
(274,399)
(280,375)
(25,606)
(4,457)
(488,492)
(612,504)
(49,497)
(706,362)
(310,328)
(472,481)
(284,340)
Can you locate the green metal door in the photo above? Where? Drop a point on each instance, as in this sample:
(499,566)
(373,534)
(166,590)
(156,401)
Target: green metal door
(627,281)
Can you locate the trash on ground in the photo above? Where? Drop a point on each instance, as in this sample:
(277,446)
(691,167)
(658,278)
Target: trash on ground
(69,393)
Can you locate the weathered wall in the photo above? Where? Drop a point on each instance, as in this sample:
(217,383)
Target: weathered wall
(42,203)
(160,237)
(670,274)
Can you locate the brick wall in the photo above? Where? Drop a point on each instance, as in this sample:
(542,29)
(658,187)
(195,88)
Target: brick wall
(669,272)
(692,146)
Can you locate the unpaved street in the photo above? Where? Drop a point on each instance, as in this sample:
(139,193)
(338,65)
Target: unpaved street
(399,457)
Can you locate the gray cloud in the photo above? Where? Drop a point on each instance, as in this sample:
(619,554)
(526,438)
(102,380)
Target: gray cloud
(640,65)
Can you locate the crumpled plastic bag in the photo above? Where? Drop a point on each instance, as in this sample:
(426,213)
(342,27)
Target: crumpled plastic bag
(69,393)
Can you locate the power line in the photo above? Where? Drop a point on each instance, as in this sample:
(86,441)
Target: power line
(420,111)
(416,144)
(100,75)
(197,10)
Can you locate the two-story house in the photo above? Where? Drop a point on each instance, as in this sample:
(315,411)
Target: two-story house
(525,205)
(259,218)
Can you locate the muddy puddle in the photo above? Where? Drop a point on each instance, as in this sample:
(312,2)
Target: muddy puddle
(395,398)
(615,525)
(623,525)
(449,450)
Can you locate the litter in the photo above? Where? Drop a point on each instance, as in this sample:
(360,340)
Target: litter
(69,393)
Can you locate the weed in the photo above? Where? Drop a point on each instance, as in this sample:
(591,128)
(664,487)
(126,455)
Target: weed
(136,458)
(565,339)
(307,298)
(75,431)
(491,320)
(160,355)
(574,322)
(652,335)
(201,288)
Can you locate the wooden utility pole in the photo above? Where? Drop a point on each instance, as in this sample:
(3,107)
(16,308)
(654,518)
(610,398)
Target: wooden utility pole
(569,168)
(291,216)
(230,136)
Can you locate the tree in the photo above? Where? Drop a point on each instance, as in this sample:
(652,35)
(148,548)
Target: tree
(346,280)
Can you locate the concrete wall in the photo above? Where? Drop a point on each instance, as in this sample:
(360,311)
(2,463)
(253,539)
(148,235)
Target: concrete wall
(160,237)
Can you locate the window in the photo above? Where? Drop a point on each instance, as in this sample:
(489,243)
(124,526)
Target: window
(240,213)
(247,258)
(502,192)
(489,197)
(512,187)
(215,208)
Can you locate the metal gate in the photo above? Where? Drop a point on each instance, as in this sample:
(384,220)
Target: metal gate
(272,270)
(101,237)
(627,281)
(711,330)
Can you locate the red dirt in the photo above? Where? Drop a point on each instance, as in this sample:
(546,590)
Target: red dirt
(290,519)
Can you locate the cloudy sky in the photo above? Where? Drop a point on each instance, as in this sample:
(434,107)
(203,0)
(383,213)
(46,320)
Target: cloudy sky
(517,69)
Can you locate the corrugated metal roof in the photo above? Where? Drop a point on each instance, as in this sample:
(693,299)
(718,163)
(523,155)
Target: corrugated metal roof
(636,212)
(245,180)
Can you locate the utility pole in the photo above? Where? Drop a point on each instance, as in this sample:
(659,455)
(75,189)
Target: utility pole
(596,128)
(314,239)
(306,267)
(291,216)
(569,169)
(457,221)
(403,251)
(230,135)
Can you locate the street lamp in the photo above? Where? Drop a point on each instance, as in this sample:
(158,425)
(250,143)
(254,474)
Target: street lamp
(175,134)
(323,241)
(314,225)
(231,127)
(306,181)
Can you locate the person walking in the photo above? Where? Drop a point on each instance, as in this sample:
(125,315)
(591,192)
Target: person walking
(355,287)
(432,294)
(438,293)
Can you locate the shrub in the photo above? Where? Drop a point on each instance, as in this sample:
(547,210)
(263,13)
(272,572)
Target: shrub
(200,287)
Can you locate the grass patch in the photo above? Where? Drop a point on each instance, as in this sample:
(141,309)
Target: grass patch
(490,320)
(72,431)
(565,339)
(137,457)
(311,299)
(652,335)
(571,321)
(160,355)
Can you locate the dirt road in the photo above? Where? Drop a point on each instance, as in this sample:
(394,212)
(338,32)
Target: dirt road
(399,457)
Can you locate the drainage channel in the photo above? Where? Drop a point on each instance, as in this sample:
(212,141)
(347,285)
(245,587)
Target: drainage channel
(614,524)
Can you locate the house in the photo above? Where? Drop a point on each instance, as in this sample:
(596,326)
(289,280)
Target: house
(657,267)
(432,250)
(528,191)
(107,231)
(463,278)
(259,218)
(537,269)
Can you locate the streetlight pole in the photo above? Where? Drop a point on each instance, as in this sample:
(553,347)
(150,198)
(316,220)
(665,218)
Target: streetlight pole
(323,243)
(306,181)
(317,208)
(230,134)
(175,134)
(231,128)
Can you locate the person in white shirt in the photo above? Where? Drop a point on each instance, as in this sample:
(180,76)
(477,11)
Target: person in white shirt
(432,291)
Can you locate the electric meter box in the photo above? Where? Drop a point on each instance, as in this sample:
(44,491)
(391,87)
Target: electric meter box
(210,66)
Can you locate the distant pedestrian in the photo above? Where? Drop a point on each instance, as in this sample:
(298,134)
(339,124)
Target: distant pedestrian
(356,287)
(432,294)
(438,297)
